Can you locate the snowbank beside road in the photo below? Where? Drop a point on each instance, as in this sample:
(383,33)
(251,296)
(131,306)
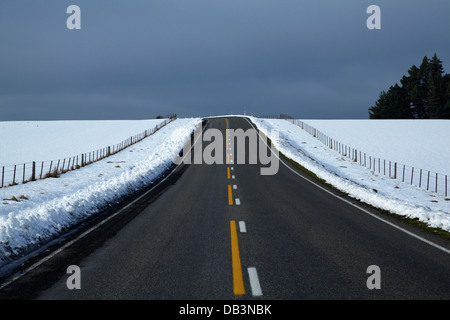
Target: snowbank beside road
(39,210)
(359,182)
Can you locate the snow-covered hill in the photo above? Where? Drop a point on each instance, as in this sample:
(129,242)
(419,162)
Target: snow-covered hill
(415,143)
(39,210)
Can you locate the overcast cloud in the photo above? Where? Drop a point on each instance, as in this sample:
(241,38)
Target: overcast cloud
(141,58)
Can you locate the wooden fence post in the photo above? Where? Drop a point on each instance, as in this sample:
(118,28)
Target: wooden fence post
(420,179)
(445,185)
(395,170)
(33,172)
(14,175)
(436,183)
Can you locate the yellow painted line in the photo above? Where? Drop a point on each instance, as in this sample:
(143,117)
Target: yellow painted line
(238,280)
(228,173)
(230,195)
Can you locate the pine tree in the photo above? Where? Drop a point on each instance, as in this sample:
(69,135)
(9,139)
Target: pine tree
(378,111)
(435,100)
(424,93)
(446,112)
(411,83)
(435,65)
(393,104)
(419,93)
(435,89)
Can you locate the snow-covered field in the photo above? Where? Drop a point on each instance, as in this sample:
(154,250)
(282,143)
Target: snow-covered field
(27,141)
(420,143)
(416,143)
(39,210)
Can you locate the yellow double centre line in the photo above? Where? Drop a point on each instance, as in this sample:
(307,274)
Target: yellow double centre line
(230,195)
(238,280)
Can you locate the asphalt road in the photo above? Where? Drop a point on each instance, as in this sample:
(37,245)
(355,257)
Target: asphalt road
(224,231)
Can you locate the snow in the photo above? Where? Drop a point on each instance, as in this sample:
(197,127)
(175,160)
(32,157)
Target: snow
(424,144)
(29,141)
(47,207)
(416,143)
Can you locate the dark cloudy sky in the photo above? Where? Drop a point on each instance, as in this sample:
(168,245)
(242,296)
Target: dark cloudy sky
(140,58)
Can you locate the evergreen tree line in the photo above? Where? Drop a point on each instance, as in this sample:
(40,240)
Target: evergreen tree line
(423,94)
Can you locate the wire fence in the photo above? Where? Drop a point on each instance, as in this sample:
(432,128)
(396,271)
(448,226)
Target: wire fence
(36,170)
(431,181)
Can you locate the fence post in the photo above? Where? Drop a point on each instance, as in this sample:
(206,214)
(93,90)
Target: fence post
(445,185)
(395,170)
(33,172)
(436,182)
(3,175)
(420,179)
